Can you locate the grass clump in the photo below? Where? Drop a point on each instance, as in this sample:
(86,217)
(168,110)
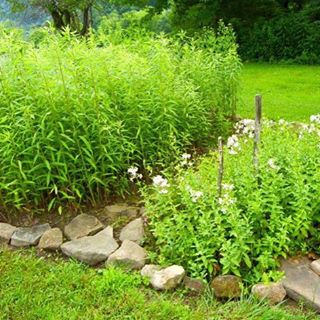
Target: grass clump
(31,288)
(256,219)
(75,116)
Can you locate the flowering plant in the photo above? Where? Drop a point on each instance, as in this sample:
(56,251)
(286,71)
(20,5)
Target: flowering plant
(255,219)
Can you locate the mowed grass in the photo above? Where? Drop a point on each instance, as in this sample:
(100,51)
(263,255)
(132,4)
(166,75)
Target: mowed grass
(290,92)
(32,288)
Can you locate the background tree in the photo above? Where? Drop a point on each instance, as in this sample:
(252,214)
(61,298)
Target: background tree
(75,14)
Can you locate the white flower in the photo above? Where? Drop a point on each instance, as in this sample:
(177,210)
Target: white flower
(227,186)
(233,141)
(162,183)
(186,156)
(272,164)
(225,201)
(282,122)
(195,195)
(233,144)
(315,118)
(159,181)
(133,173)
(133,170)
(245,127)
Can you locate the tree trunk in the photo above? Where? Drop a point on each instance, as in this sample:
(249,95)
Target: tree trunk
(87,20)
(57,19)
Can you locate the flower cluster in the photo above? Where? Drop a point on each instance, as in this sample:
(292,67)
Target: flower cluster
(315,118)
(245,127)
(133,174)
(312,128)
(226,200)
(233,144)
(161,183)
(195,195)
(186,159)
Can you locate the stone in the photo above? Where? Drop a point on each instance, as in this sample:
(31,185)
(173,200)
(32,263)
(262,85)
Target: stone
(133,231)
(108,231)
(28,236)
(6,232)
(121,210)
(226,286)
(168,278)
(91,249)
(274,293)
(300,282)
(129,255)
(195,285)
(81,226)
(315,266)
(51,240)
(149,269)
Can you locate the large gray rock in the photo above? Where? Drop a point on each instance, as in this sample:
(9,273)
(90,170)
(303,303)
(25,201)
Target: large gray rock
(226,286)
(133,231)
(91,249)
(300,282)
(129,255)
(168,278)
(51,240)
(81,226)
(274,293)
(149,269)
(28,236)
(315,266)
(6,232)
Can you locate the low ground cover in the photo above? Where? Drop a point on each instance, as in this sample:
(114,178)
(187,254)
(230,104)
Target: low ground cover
(31,288)
(290,92)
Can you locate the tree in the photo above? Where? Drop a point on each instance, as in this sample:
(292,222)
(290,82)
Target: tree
(75,14)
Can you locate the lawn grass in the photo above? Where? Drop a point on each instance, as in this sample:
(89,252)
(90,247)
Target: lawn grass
(290,92)
(32,288)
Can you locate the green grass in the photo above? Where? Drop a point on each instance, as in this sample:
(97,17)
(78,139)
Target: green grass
(291,92)
(31,288)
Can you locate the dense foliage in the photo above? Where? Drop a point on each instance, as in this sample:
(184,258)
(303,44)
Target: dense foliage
(75,116)
(267,30)
(293,36)
(256,219)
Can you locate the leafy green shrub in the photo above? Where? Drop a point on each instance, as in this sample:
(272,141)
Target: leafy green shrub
(74,116)
(290,37)
(255,220)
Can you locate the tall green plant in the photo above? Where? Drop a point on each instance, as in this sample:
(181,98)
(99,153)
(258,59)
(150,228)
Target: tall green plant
(75,116)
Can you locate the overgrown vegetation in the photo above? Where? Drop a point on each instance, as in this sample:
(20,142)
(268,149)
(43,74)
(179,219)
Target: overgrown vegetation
(74,115)
(31,288)
(256,219)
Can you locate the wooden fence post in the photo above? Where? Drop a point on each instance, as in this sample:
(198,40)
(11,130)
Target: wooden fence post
(257,132)
(221,164)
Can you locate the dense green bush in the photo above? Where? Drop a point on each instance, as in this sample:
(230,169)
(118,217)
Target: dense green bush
(255,220)
(291,37)
(74,115)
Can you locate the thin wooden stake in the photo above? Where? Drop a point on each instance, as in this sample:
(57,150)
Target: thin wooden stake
(257,132)
(221,164)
